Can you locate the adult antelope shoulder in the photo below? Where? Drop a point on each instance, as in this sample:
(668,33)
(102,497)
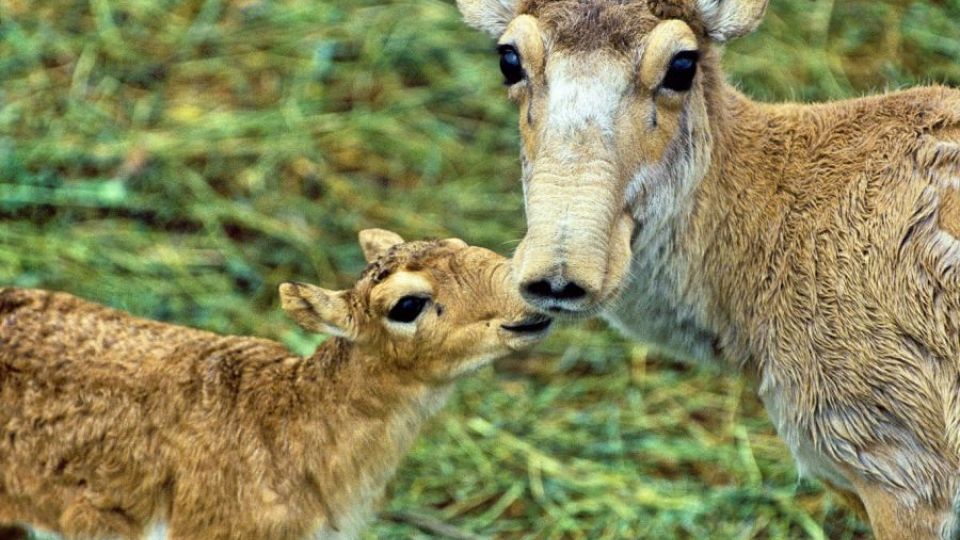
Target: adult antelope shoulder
(815,248)
(110,424)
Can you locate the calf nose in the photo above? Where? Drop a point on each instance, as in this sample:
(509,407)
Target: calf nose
(556,289)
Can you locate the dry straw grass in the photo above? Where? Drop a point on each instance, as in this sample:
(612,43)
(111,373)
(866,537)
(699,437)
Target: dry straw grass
(180,159)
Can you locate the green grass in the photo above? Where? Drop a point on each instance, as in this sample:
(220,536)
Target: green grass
(180,159)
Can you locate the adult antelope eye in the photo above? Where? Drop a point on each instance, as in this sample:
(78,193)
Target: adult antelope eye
(683,66)
(407,309)
(510,64)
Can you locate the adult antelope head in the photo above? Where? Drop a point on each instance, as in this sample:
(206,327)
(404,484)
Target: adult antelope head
(615,101)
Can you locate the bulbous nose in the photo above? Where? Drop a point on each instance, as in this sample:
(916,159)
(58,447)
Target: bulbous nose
(556,292)
(559,289)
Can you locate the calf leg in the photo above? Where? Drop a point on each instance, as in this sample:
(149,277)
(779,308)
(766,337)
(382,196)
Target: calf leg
(850,498)
(232,532)
(223,522)
(82,519)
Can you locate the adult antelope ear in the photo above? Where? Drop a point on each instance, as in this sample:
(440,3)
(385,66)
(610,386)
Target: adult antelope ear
(318,310)
(728,19)
(376,242)
(491,16)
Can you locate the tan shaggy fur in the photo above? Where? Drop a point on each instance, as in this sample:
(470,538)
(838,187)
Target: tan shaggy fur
(814,248)
(111,424)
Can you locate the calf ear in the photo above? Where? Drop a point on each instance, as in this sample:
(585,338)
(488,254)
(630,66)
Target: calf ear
(376,242)
(728,19)
(455,242)
(491,16)
(318,309)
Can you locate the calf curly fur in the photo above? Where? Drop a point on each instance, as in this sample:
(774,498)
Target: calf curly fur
(111,423)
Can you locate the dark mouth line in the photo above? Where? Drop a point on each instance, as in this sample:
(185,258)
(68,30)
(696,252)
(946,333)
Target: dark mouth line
(573,313)
(529,326)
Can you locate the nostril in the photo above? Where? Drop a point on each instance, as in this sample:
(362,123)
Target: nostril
(545,289)
(540,288)
(571,291)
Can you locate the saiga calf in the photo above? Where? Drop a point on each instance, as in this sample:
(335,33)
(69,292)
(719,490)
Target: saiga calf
(111,424)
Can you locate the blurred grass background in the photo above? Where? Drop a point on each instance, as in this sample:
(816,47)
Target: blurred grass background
(179,159)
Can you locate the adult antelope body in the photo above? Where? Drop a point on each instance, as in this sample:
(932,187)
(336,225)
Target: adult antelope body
(815,248)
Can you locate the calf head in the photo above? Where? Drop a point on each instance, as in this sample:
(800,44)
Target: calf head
(432,309)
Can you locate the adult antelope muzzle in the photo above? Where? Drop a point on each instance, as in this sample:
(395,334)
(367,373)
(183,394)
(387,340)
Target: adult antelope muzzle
(577,242)
(577,247)
(611,111)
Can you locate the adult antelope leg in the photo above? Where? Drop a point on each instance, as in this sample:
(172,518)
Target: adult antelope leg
(893,520)
(850,499)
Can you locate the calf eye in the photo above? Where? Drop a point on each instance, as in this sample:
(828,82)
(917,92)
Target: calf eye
(682,68)
(407,309)
(510,64)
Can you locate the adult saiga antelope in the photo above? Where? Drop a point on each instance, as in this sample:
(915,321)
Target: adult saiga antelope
(815,248)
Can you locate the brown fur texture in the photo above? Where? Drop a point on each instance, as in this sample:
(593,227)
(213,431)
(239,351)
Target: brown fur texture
(811,247)
(948,216)
(111,423)
(594,27)
(853,325)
